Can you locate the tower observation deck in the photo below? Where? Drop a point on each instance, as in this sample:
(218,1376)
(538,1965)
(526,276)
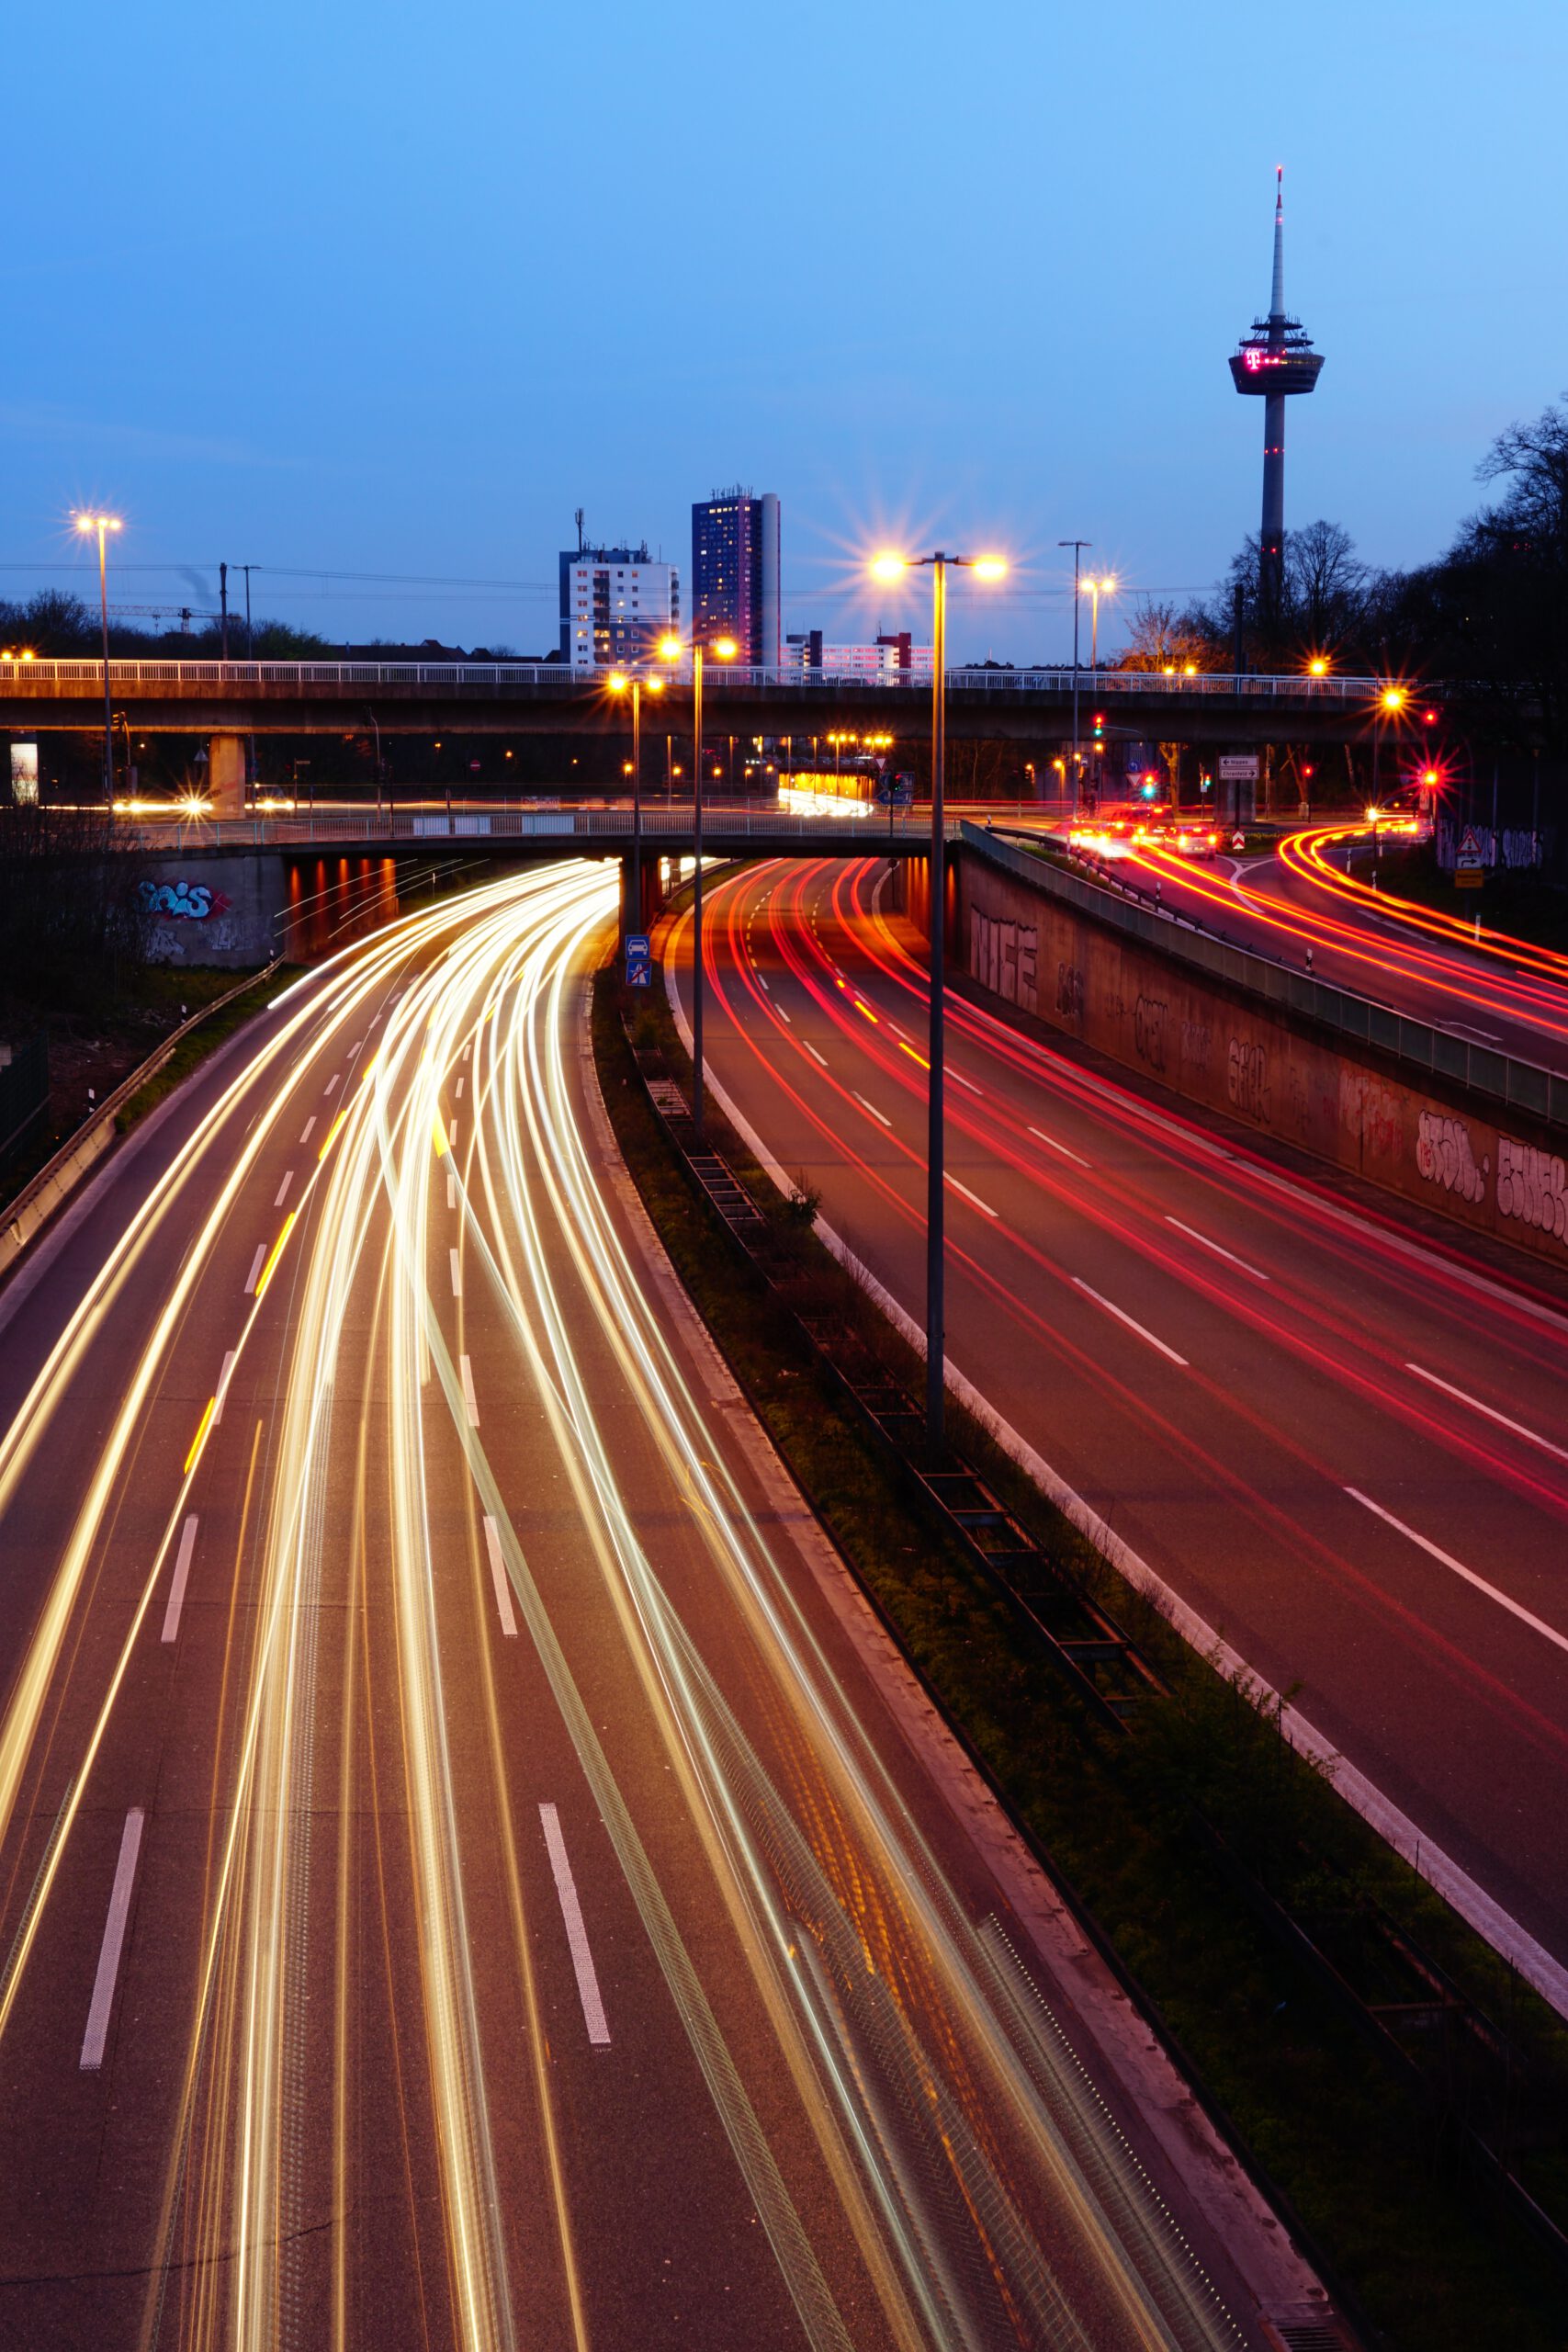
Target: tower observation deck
(1275,360)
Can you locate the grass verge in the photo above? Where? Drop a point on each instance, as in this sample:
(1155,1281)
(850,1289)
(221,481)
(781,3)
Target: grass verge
(1376,2175)
(203,1042)
(1519,902)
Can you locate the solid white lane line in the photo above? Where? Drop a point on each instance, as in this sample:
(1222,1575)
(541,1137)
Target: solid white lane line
(1513,1608)
(1220,1251)
(451,1190)
(457,1274)
(872,1109)
(283,1190)
(257,1262)
(984,1206)
(1123,1317)
(500,1580)
(466,1374)
(95,2039)
(332,1082)
(223,1379)
(1490,1411)
(1059,1146)
(576,1933)
(813,1052)
(177,1589)
(309,1123)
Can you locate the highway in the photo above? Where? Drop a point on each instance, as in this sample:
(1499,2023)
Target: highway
(470,1874)
(1344,1446)
(1503,993)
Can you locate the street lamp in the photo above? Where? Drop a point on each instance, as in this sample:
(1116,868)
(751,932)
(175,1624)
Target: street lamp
(618,685)
(890,567)
(1077,546)
(99,527)
(1096,589)
(724,649)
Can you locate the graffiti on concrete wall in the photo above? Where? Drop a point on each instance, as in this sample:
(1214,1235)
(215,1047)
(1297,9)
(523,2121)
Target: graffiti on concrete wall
(1148,1030)
(1197,1045)
(1247,1080)
(185,901)
(1532,1187)
(1069,992)
(1369,1112)
(1003,957)
(1445,1156)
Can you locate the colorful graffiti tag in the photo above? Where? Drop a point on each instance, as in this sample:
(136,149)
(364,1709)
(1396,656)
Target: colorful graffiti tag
(189,901)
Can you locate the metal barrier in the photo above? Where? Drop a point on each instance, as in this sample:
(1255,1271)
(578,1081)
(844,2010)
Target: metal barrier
(661,828)
(1429,1051)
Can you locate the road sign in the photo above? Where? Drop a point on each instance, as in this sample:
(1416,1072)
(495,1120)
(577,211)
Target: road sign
(896,791)
(639,960)
(1238,767)
(1468,878)
(1238,841)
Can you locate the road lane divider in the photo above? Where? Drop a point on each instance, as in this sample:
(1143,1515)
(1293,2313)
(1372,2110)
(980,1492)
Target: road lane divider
(181,1575)
(1218,1248)
(283,1189)
(95,2040)
(278,1247)
(256,1264)
(973,1198)
(500,1579)
(1435,1551)
(872,1109)
(1491,1412)
(471,1402)
(331,1086)
(576,1933)
(1131,1321)
(456,1271)
(813,1052)
(1062,1148)
(309,1129)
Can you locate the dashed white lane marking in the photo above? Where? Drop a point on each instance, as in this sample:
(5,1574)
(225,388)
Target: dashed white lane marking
(1062,1148)
(959,1079)
(182,1572)
(452,1136)
(576,1933)
(1491,1412)
(1123,1317)
(500,1580)
(784,1016)
(984,1206)
(223,1379)
(813,1052)
(1220,1251)
(95,2039)
(762,983)
(305,1135)
(283,1190)
(331,1086)
(457,1274)
(466,1374)
(459,1093)
(872,1109)
(451,1190)
(1435,1551)
(468,1049)
(257,1262)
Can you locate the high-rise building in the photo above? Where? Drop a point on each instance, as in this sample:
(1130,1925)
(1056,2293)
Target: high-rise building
(735,573)
(1275,360)
(806,650)
(614,605)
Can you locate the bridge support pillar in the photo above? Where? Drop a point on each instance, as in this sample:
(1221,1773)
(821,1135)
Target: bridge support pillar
(653,894)
(226,774)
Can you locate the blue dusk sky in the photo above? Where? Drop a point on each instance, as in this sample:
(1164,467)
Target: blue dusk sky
(390,290)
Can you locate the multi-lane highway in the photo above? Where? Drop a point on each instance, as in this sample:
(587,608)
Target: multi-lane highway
(470,1870)
(1499,993)
(1341,1444)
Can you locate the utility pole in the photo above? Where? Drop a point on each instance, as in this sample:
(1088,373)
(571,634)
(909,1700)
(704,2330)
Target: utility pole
(1077,546)
(223,611)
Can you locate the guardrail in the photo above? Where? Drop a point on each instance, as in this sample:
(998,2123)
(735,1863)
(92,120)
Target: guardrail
(1429,1050)
(41,677)
(660,827)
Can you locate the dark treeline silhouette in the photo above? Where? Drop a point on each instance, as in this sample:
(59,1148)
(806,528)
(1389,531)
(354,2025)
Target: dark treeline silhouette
(56,623)
(72,919)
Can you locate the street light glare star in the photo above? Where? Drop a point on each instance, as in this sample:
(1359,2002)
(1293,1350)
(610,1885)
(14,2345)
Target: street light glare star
(670,649)
(989,567)
(888,566)
(726,649)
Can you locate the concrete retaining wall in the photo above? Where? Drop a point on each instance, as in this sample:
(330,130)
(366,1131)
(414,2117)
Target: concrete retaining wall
(227,911)
(1441,1146)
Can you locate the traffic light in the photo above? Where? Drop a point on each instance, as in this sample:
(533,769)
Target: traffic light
(1100,726)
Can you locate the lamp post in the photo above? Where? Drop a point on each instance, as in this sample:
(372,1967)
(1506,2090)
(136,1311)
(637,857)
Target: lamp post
(1077,546)
(889,567)
(725,649)
(619,684)
(1098,588)
(99,527)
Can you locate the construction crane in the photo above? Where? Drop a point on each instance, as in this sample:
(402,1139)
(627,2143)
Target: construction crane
(183,614)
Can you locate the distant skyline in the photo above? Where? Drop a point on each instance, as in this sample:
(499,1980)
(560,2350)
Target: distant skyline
(363,298)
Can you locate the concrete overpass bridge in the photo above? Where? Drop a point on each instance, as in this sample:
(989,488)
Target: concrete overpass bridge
(230,699)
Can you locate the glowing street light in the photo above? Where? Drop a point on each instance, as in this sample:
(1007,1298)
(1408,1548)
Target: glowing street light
(724,649)
(1095,590)
(99,527)
(890,566)
(1317,667)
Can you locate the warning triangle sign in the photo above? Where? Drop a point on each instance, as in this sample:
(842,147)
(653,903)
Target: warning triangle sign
(1469,846)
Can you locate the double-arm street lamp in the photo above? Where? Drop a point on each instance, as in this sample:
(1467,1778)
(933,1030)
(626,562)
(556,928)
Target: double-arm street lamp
(619,684)
(1077,546)
(1096,589)
(723,649)
(890,567)
(101,526)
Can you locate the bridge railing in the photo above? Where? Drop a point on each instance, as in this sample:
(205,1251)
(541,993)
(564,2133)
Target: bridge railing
(846,825)
(359,678)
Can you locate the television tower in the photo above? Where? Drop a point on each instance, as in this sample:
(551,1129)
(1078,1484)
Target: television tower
(1275,360)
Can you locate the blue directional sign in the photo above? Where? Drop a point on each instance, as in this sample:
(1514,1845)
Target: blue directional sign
(896,791)
(639,960)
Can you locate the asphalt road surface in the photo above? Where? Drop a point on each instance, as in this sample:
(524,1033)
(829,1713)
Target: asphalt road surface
(465,1876)
(1344,1445)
